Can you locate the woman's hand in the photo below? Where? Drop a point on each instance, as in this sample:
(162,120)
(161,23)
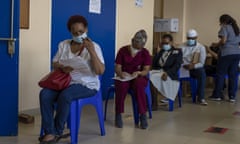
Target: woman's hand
(88,44)
(124,75)
(67,69)
(136,73)
(164,76)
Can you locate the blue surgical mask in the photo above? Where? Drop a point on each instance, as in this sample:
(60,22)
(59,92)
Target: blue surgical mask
(191,42)
(80,38)
(166,47)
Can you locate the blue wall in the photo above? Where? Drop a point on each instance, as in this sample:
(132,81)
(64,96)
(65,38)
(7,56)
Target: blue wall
(101,29)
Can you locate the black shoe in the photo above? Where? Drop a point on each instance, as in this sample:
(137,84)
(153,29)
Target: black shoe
(118,121)
(143,121)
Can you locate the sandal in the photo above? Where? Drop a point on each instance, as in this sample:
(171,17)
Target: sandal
(49,139)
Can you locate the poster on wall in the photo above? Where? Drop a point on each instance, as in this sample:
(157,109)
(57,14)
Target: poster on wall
(95,6)
(139,3)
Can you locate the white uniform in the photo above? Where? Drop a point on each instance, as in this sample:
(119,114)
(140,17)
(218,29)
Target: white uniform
(188,52)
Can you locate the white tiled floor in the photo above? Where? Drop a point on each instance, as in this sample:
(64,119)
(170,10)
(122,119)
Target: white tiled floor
(184,125)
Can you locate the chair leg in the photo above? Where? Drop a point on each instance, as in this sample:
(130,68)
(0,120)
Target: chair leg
(41,131)
(171,105)
(99,110)
(149,100)
(110,90)
(180,96)
(75,122)
(135,110)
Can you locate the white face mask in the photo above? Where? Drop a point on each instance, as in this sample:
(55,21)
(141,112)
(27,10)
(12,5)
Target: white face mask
(80,38)
(134,51)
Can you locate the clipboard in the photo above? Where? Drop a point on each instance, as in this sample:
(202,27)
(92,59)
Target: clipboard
(196,57)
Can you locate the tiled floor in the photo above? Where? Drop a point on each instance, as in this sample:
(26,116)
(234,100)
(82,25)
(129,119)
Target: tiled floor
(184,125)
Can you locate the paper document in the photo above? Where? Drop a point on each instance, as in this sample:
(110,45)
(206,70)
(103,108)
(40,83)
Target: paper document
(127,77)
(77,63)
(95,6)
(196,57)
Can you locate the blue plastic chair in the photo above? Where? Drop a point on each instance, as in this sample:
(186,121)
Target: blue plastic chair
(111,90)
(73,122)
(75,114)
(193,84)
(171,102)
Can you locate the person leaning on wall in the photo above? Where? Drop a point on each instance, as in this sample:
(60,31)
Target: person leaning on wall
(132,61)
(229,38)
(83,84)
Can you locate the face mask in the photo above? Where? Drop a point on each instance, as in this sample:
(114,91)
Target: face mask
(80,38)
(191,42)
(134,51)
(166,47)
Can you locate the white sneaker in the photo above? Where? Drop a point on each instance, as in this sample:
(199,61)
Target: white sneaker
(203,102)
(164,100)
(232,100)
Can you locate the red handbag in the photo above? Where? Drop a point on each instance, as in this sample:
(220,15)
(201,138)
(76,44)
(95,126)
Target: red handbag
(56,80)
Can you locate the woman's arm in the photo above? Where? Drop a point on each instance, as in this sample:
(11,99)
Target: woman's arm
(212,53)
(144,72)
(96,64)
(222,41)
(118,70)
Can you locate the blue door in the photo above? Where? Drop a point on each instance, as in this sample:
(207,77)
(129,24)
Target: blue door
(9,43)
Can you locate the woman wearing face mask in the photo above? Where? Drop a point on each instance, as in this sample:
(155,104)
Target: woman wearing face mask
(164,74)
(83,84)
(229,38)
(132,60)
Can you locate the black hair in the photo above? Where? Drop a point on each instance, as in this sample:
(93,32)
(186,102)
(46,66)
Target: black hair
(168,36)
(227,19)
(76,19)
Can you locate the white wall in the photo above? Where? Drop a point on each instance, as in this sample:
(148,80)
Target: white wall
(175,9)
(202,15)
(34,55)
(130,19)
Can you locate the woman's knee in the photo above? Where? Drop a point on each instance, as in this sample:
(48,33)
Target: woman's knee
(65,97)
(44,95)
(140,82)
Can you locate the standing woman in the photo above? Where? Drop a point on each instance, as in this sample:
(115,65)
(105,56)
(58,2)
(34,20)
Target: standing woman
(228,60)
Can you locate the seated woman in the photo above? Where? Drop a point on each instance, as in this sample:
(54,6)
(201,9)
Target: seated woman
(212,68)
(164,74)
(84,83)
(132,60)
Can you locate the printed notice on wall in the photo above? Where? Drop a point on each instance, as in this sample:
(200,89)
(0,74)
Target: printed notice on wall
(95,6)
(139,3)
